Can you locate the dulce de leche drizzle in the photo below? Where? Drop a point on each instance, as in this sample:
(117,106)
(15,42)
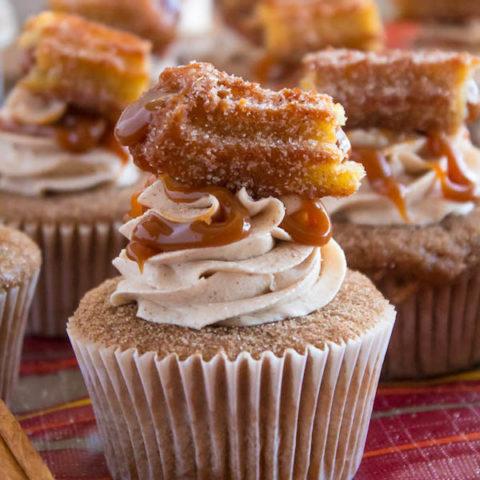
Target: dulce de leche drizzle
(133,124)
(455,178)
(75,132)
(380,176)
(308,225)
(155,234)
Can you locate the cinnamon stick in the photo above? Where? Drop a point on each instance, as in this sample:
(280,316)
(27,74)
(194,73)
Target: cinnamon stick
(18,458)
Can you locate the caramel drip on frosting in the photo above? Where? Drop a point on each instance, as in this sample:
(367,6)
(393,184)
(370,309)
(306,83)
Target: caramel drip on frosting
(75,132)
(155,234)
(380,176)
(455,178)
(308,225)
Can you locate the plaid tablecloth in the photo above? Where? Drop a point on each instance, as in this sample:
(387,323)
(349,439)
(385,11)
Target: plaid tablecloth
(419,431)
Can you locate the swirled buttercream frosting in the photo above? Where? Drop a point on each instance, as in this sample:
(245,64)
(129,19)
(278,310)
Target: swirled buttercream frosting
(416,171)
(263,277)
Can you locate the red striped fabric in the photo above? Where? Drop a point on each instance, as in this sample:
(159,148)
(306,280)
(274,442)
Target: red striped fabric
(419,431)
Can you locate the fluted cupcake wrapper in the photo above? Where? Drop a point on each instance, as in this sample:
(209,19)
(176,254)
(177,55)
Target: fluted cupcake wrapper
(294,417)
(437,330)
(76,258)
(14,306)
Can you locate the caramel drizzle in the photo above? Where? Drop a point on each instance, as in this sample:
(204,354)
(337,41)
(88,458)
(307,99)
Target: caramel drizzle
(455,178)
(380,177)
(309,225)
(153,234)
(75,132)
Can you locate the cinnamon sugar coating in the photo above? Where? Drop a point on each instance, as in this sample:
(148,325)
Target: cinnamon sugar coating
(290,28)
(398,90)
(203,127)
(83,63)
(154,20)
(20,258)
(436,254)
(449,10)
(357,308)
(293,27)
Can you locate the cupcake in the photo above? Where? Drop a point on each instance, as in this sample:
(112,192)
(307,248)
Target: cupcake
(414,225)
(64,179)
(235,344)
(20,262)
(265,40)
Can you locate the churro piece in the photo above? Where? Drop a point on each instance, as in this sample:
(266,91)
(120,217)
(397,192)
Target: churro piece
(83,63)
(241,15)
(155,20)
(445,10)
(293,27)
(399,90)
(203,127)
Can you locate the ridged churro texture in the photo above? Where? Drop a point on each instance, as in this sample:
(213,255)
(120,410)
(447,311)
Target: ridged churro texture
(447,10)
(83,63)
(398,90)
(155,20)
(204,127)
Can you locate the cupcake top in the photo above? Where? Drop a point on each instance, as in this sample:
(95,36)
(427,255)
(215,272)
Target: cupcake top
(407,114)
(357,308)
(56,127)
(229,229)
(20,258)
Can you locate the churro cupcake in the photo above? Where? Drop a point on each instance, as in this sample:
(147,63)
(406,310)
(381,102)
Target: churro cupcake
(235,344)
(64,179)
(20,261)
(414,225)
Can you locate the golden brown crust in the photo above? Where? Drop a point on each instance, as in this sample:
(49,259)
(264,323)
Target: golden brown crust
(20,258)
(357,308)
(84,64)
(436,254)
(151,19)
(399,90)
(204,127)
(293,28)
(452,10)
(106,203)
(290,28)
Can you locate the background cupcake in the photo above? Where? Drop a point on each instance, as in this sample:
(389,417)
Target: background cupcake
(235,344)
(63,177)
(265,40)
(413,226)
(20,261)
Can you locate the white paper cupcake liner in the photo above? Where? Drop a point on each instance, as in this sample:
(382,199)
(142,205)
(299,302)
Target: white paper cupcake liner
(295,417)
(437,330)
(14,306)
(76,258)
